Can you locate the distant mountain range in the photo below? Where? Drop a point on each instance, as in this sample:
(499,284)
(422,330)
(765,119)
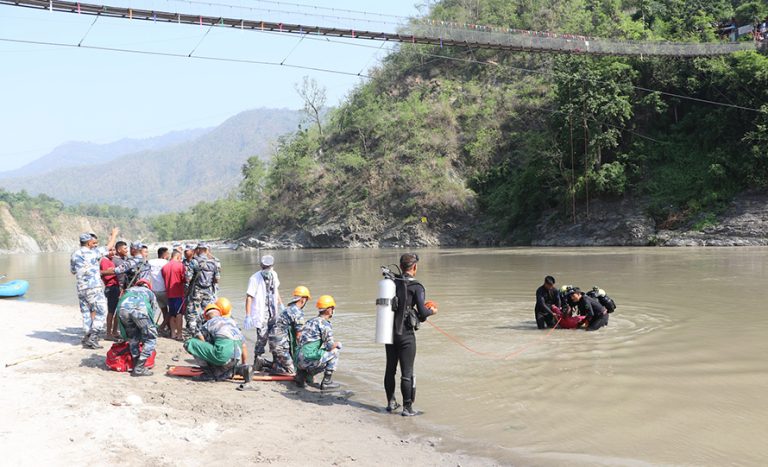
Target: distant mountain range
(163,174)
(76,153)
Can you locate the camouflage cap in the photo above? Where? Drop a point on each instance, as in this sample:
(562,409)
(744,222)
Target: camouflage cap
(189,246)
(202,245)
(137,246)
(86,236)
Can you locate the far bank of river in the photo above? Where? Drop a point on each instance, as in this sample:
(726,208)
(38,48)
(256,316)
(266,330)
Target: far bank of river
(672,380)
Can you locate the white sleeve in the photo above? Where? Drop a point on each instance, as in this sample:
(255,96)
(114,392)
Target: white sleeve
(277,280)
(251,291)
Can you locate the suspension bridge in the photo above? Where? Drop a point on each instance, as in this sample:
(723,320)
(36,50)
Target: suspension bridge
(428,32)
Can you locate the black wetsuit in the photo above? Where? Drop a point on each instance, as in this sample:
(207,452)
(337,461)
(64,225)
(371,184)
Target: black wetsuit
(410,296)
(597,314)
(544,301)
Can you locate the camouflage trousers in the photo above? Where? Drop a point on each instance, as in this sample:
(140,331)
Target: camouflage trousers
(140,329)
(197,302)
(283,361)
(327,362)
(93,301)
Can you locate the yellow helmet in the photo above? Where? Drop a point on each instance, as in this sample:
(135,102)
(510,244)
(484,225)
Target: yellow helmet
(301,291)
(224,306)
(325,302)
(209,308)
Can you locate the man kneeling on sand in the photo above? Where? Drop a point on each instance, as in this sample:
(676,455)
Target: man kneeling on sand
(219,348)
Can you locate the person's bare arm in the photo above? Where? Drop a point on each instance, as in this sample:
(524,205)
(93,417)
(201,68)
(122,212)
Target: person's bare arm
(113,238)
(248,302)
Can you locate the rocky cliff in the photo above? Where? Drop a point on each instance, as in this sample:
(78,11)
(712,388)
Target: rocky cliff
(34,232)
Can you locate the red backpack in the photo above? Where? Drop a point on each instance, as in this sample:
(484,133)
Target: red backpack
(119,357)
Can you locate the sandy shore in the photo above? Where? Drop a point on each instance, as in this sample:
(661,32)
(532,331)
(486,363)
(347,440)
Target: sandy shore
(68,409)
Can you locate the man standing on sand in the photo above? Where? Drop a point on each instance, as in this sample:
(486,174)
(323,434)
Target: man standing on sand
(84,265)
(262,300)
(158,284)
(121,256)
(112,292)
(174,278)
(191,270)
(205,277)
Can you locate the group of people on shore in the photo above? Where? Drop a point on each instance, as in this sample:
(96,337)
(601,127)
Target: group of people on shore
(119,288)
(569,307)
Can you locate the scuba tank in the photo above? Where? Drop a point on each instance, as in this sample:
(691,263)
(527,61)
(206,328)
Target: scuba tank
(385,315)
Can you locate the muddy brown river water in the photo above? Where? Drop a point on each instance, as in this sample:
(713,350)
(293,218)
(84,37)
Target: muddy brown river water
(678,377)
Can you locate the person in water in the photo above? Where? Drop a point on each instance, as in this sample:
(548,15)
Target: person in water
(547,296)
(595,314)
(318,352)
(410,311)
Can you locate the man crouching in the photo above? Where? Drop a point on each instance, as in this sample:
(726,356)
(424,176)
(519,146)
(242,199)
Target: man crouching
(219,348)
(318,353)
(137,309)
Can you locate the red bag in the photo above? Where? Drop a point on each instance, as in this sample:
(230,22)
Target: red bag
(119,357)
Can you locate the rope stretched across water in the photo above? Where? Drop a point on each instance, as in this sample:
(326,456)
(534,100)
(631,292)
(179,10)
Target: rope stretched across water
(493,355)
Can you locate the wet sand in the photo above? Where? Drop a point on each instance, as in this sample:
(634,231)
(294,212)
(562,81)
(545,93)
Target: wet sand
(68,409)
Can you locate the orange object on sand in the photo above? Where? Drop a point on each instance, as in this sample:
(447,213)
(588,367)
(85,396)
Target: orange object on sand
(192,371)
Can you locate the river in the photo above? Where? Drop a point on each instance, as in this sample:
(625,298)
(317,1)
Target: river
(676,378)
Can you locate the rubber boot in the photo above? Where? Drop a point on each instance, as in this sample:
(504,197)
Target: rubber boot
(408,410)
(85,339)
(140,370)
(258,364)
(392,405)
(246,371)
(301,378)
(328,383)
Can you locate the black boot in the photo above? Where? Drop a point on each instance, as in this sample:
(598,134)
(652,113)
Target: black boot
(258,363)
(328,381)
(140,370)
(408,410)
(301,378)
(392,405)
(246,371)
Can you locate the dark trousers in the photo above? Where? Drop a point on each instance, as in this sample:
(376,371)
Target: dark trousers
(544,319)
(113,296)
(402,351)
(598,322)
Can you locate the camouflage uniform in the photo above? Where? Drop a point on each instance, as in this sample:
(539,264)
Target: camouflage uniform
(190,269)
(263,285)
(282,341)
(318,329)
(84,264)
(137,306)
(222,349)
(134,268)
(203,293)
(217,262)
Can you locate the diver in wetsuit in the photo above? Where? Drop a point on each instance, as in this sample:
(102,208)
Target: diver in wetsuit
(596,314)
(410,311)
(547,296)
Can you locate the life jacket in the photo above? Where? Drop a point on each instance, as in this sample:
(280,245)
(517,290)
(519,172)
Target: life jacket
(119,357)
(206,273)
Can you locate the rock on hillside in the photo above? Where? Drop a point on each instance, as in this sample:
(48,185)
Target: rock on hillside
(33,234)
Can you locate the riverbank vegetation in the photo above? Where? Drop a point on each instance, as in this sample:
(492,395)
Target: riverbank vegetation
(486,140)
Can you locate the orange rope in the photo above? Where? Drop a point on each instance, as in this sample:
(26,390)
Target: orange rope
(492,355)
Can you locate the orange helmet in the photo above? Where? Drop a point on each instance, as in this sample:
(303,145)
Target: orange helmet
(224,306)
(325,302)
(209,309)
(301,291)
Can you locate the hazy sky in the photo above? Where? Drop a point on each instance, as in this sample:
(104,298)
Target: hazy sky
(53,94)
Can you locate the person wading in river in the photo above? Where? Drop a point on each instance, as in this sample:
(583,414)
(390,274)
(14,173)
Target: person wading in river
(547,296)
(410,311)
(596,314)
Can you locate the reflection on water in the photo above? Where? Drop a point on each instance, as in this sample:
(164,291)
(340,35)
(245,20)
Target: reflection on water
(677,376)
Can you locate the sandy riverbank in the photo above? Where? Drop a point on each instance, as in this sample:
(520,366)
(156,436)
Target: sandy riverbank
(68,409)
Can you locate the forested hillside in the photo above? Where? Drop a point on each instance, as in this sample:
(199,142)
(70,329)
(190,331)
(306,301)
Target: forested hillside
(32,224)
(450,145)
